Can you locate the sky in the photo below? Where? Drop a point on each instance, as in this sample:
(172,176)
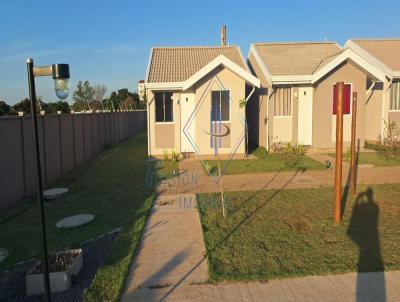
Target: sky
(108,42)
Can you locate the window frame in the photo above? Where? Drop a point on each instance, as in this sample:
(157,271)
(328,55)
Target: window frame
(172,108)
(291,102)
(220,100)
(398,96)
(351,99)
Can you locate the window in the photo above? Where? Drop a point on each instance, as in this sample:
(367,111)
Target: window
(346,99)
(220,106)
(395,96)
(164,107)
(283,102)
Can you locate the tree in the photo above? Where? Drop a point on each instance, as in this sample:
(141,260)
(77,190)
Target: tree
(83,96)
(4,108)
(24,106)
(114,101)
(52,108)
(99,92)
(128,103)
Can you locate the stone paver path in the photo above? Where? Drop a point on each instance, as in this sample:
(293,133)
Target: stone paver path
(171,251)
(364,287)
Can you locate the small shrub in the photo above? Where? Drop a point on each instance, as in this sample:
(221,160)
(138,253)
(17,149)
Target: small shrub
(294,155)
(174,156)
(165,155)
(277,146)
(260,153)
(389,143)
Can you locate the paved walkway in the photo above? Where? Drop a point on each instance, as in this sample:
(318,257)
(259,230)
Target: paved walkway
(365,287)
(193,179)
(171,251)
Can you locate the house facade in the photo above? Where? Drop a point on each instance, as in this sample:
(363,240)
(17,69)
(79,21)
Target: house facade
(295,103)
(385,55)
(194,97)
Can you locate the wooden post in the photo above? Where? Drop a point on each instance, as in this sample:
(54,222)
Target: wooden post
(353,180)
(339,150)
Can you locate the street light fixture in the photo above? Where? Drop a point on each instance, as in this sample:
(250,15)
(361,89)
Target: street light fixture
(60,74)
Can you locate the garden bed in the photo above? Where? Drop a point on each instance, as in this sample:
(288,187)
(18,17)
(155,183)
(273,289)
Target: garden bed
(12,281)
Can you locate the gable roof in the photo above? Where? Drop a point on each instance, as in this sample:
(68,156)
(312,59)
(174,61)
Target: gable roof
(177,64)
(383,52)
(305,62)
(296,58)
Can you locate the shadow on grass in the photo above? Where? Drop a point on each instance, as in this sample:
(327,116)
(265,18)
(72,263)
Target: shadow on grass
(363,231)
(346,189)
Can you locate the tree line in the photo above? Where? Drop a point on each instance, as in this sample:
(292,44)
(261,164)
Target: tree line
(85,98)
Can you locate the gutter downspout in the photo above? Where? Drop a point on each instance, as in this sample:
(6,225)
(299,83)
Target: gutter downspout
(245,121)
(369,90)
(269,95)
(148,124)
(383,107)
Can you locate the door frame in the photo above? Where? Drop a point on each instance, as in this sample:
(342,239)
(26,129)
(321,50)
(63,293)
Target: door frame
(309,117)
(185,145)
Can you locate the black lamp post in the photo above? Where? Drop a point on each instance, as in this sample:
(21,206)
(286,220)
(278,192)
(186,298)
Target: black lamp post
(60,74)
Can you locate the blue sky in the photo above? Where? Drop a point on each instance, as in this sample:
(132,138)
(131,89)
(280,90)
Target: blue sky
(108,42)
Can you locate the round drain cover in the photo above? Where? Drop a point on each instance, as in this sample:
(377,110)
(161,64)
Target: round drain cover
(74,221)
(54,193)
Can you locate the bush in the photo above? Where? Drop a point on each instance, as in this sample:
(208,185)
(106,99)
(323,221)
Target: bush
(389,143)
(165,155)
(174,156)
(294,155)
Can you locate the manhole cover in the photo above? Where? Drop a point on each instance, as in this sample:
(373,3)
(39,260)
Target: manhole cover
(54,193)
(74,221)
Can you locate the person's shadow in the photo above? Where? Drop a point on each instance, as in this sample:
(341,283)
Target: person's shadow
(363,231)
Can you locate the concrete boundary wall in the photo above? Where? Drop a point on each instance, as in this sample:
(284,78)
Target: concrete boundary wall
(66,141)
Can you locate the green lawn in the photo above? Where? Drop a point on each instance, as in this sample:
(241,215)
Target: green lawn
(114,189)
(273,234)
(264,163)
(164,169)
(371,158)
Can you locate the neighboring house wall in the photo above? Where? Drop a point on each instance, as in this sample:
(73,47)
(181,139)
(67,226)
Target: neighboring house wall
(324,120)
(281,128)
(257,107)
(373,113)
(392,115)
(165,137)
(395,116)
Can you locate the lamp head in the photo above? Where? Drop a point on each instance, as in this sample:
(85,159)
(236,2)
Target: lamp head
(61,79)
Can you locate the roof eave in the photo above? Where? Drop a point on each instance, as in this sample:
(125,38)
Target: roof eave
(164,85)
(263,66)
(148,65)
(350,54)
(221,60)
(291,79)
(369,57)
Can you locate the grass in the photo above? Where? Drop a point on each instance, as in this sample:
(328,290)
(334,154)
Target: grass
(264,163)
(371,158)
(165,169)
(114,189)
(274,234)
